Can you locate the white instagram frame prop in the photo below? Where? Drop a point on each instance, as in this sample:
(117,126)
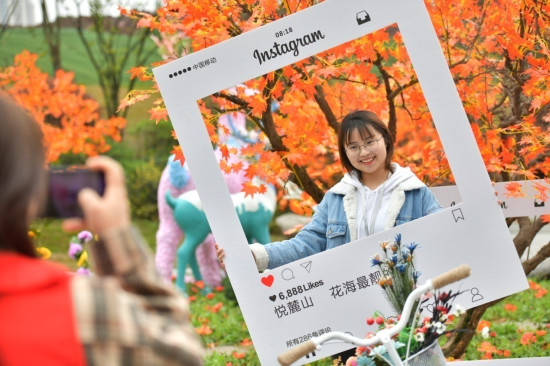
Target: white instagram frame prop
(473,231)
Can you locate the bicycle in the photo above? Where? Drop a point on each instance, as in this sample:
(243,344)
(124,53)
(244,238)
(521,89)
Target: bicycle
(383,336)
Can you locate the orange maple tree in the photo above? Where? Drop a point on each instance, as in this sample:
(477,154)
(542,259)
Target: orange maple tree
(301,131)
(68,117)
(498,54)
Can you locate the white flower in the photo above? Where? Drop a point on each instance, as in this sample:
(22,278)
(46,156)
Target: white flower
(439,328)
(459,310)
(485,332)
(419,337)
(443,317)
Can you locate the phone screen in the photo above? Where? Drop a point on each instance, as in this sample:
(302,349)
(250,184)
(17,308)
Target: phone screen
(64,185)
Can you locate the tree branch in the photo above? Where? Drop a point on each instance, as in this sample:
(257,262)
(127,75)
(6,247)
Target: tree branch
(532,263)
(325,108)
(392,121)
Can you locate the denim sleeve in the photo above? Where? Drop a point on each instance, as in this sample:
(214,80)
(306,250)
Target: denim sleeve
(429,203)
(312,239)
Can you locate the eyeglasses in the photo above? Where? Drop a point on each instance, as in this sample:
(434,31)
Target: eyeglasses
(369,146)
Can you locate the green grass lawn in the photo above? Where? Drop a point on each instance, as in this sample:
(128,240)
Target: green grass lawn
(220,323)
(73,54)
(50,235)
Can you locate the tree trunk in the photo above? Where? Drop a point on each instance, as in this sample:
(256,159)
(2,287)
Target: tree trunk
(4,20)
(458,342)
(52,36)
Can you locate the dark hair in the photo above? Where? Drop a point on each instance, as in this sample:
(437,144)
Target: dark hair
(22,175)
(364,122)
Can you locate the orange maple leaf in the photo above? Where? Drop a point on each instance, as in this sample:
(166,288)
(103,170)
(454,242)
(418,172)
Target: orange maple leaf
(237,167)
(514,189)
(262,188)
(140,72)
(178,155)
(541,191)
(158,113)
(249,189)
(225,151)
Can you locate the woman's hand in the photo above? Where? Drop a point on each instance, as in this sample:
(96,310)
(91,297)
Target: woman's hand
(103,213)
(221,254)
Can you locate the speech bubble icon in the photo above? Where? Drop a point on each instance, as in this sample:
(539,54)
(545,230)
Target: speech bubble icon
(287,274)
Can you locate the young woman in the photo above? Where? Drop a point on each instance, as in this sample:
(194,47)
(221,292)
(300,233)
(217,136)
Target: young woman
(374,195)
(124,314)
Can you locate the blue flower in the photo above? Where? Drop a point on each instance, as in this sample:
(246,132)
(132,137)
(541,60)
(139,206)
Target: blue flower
(375,261)
(394,258)
(411,247)
(416,274)
(398,238)
(405,254)
(401,267)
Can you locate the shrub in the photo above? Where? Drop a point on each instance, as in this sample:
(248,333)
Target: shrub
(155,141)
(142,179)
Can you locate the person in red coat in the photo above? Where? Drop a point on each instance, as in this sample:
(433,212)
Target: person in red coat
(122,315)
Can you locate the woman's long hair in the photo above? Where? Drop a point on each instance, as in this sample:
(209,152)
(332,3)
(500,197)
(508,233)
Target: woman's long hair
(22,175)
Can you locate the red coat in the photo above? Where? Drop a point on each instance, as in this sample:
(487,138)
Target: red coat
(37,325)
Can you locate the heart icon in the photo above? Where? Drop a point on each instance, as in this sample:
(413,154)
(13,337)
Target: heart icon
(273,297)
(268,280)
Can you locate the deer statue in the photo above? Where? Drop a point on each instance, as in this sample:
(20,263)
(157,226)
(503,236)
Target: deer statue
(254,212)
(176,179)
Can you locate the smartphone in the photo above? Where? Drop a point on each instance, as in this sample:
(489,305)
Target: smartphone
(64,183)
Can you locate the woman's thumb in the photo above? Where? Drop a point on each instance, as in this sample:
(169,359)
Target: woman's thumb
(88,198)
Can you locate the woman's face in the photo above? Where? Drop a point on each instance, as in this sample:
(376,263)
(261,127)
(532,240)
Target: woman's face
(367,155)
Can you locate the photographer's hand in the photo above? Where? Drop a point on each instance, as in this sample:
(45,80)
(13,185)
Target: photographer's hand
(103,213)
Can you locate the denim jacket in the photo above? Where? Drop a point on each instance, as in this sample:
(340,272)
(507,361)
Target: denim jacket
(333,223)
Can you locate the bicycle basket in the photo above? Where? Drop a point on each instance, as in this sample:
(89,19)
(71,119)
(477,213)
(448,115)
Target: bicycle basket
(429,356)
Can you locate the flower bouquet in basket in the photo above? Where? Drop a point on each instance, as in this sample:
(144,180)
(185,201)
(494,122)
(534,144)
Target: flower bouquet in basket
(417,342)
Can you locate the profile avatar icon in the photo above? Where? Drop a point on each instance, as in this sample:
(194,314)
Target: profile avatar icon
(476,296)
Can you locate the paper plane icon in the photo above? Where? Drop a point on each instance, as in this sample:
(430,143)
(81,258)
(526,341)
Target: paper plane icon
(307,266)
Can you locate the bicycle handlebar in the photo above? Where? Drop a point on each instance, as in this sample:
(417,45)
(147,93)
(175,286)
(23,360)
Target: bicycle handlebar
(451,276)
(294,354)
